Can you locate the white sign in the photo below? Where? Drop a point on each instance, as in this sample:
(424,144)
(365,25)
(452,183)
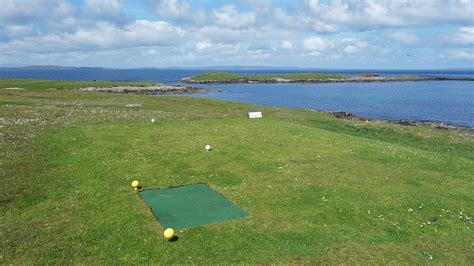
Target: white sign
(255,114)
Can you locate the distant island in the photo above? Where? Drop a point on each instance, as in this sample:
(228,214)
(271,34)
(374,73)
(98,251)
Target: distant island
(226,78)
(52,67)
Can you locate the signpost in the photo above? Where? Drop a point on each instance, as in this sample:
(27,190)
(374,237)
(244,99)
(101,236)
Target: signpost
(255,114)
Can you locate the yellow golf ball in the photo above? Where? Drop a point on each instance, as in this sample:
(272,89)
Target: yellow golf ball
(135,184)
(169,233)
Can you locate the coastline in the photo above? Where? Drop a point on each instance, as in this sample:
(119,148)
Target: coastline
(165,89)
(158,89)
(357,79)
(351,117)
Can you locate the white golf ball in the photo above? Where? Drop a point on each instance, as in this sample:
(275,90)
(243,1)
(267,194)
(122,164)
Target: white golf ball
(153,120)
(207,147)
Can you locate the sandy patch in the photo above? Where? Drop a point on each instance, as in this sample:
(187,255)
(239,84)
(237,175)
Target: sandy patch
(133,104)
(14,88)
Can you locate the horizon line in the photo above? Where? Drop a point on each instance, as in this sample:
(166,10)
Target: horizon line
(234,66)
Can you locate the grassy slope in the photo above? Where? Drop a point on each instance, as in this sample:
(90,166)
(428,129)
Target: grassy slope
(61,84)
(307,180)
(222,76)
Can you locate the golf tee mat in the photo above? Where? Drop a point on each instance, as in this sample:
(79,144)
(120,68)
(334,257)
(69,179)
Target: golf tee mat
(189,206)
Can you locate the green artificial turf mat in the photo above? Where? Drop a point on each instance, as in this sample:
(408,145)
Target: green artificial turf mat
(189,206)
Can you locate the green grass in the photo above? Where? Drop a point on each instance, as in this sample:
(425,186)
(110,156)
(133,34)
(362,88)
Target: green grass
(217,76)
(317,189)
(223,76)
(61,84)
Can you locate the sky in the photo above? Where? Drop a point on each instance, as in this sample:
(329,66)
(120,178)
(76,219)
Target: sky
(344,34)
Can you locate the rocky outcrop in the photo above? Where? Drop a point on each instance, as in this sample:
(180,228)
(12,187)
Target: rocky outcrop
(157,89)
(363,79)
(351,117)
(369,75)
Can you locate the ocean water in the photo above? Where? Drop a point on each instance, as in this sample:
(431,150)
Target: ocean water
(450,102)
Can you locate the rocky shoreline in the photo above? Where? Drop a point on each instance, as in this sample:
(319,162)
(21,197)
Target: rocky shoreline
(160,89)
(360,79)
(350,117)
(150,90)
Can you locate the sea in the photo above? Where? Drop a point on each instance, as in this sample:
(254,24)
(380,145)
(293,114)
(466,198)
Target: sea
(448,102)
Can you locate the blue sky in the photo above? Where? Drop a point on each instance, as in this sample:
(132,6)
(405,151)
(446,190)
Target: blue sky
(396,34)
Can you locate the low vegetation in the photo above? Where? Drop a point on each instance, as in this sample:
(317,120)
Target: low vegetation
(60,84)
(317,189)
(223,76)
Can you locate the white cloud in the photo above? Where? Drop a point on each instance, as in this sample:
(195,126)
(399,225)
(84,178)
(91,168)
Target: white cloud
(138,33)
(284,19)
(335,11)
(228,16)
(104,7)
(463,36)
(14,12)
(199,17)
(203,45)
(14,31)
(174,9)
(245,31)
(352,46)
(288,45)
(322,27)
(316,44)
(259,6)
(223,50)
(224,35)
(334,48)
(373,14)
(461,54)
(302,22)
(104,36)
(403,37)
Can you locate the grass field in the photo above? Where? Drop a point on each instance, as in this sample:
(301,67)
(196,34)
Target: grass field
(223,76)
(60,84)
(317,189)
